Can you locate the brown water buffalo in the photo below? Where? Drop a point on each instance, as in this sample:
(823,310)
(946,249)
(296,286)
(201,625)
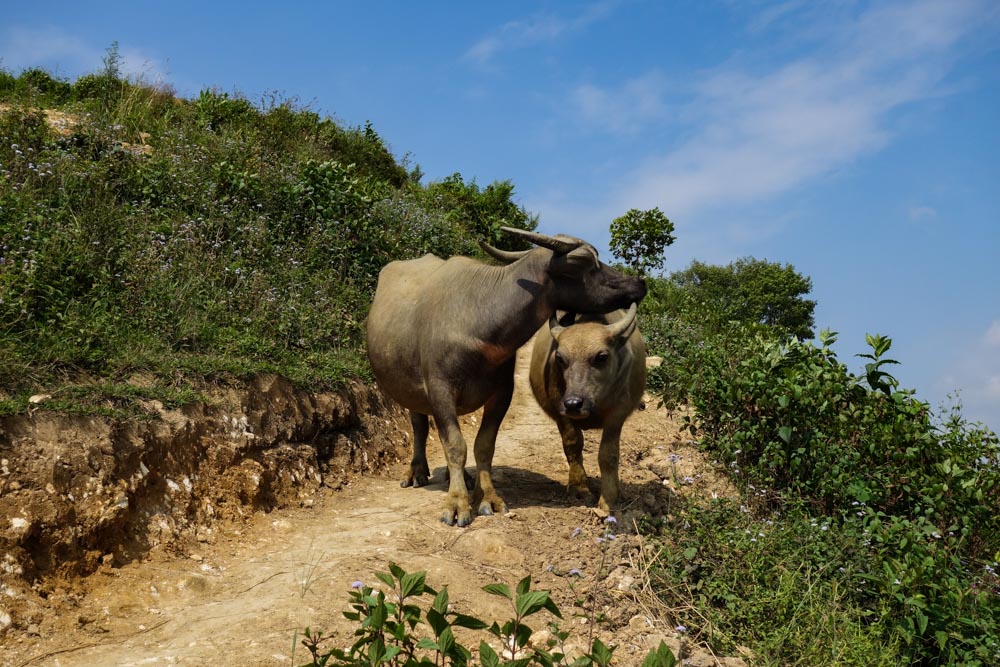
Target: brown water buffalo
(442,337)
(590,375)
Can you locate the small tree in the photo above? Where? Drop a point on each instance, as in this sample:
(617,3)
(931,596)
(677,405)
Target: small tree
(639,238)
(750,290)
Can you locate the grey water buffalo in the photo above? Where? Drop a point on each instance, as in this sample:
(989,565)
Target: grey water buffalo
(590,375)
(442,335)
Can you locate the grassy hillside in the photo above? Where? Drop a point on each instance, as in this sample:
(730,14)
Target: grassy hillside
(146,235)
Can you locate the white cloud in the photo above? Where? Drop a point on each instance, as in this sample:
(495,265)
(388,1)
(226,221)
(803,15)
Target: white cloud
(64,54)
(22,48)
(992,388)
(992,337)
(627,109)
(537,29)
(918,213)
(756,134)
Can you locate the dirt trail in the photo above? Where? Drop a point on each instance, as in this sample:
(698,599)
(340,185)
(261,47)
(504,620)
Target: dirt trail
(238,596)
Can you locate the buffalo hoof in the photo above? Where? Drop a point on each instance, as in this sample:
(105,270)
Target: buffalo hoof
(486,509)
(456,510)
(418,476)
(462,519)
(580,493)
(491,503)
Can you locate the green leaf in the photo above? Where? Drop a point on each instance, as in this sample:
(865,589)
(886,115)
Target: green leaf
(942,638)
(397,571)
(413,584)
(441,600)
(601,653)
(428,644)
(377,617)
(662,656)
(471,622)
(498,589)
(447,640)
(437,621)
(531,602)
(550,605)
(488,656)
(522,636)
(785,433)
(524,585)
(690,553)
(386,579)
(376,651)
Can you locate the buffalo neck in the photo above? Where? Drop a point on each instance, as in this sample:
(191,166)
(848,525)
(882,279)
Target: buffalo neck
(518,301)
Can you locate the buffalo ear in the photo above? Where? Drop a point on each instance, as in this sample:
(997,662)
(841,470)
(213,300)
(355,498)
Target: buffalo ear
(625,327)
(575,262)
(567,319)
(555,327)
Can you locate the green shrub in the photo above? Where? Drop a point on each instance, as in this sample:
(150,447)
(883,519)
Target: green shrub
(795,426)
(390,627)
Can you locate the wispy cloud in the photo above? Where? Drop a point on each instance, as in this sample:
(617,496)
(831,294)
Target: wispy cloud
(21,48)
(976,370)
(755,134)
(993,334)
(627,109)
(537,29)
(63,53)
(919,213)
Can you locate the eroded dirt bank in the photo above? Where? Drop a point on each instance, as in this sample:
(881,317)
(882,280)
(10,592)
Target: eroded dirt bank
(205,578)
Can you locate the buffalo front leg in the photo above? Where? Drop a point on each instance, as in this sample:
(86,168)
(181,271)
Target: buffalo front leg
(572,438)
(420,472)
(456,503)
(486,439)
(607,458)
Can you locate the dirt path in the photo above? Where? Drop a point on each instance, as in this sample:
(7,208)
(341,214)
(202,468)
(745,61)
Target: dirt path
(237,596)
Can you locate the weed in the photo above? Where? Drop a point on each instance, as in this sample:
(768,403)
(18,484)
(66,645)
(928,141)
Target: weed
(389,630)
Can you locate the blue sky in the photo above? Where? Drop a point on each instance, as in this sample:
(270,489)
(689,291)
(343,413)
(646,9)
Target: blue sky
(858,141)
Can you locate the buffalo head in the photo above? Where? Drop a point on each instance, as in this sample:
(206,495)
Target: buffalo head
(580,281)
(590,359)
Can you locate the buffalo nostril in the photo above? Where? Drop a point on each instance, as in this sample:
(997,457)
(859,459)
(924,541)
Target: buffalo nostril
(572,404)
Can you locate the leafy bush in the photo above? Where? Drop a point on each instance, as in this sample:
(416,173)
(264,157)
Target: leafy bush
(918,500)
(481,212)
(388,626)
(203,237)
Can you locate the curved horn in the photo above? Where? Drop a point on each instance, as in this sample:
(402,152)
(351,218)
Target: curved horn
(506,256)
(559,246)
(624,327)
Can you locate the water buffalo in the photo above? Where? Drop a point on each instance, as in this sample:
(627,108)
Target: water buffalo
(590,375)
(442,335)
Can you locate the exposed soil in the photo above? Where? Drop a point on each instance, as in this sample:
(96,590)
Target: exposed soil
(222,549)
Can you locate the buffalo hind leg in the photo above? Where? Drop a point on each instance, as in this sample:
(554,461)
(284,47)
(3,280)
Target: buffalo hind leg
(572,438)
(420,471)
(486,440)
(456,502)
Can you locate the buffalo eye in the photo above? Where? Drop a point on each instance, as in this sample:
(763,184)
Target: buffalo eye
(600,358)
(561,360)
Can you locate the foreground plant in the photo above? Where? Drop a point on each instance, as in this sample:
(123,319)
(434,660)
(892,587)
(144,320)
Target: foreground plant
(388,630)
